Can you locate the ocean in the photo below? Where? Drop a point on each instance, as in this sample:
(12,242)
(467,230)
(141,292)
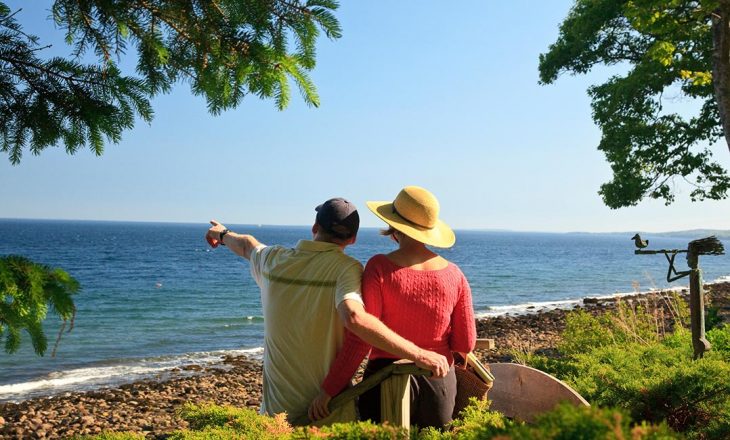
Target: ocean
(156,298)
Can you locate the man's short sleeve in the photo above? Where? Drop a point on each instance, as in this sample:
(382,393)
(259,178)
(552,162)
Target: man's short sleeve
(258,260)
(348,284)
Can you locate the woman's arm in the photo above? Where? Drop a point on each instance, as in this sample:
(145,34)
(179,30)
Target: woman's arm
(345,365)
(463,328)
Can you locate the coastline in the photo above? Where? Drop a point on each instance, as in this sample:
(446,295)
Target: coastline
(149,406)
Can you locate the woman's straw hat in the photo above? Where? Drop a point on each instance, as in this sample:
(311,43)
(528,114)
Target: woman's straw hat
(415,213)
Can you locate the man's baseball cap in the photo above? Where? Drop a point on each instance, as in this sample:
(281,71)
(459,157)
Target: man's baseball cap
(338,217)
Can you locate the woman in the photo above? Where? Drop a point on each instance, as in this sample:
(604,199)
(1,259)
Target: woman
(421,296)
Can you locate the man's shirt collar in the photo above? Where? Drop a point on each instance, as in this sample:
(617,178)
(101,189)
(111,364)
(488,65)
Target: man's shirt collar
(317,246)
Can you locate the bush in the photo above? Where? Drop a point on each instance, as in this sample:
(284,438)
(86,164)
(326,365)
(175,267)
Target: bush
(720,340)
(216,433)
(210,422)
(114,436)
(570,423)
(352,431)
(223,421)
(652,379)
(627,324)
(474,422)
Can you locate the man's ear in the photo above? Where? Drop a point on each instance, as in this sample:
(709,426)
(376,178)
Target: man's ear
(315,228)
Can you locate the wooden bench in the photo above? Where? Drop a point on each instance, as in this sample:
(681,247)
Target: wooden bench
(519,392)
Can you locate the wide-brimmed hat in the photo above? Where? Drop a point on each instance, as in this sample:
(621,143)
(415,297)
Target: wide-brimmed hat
(415,212)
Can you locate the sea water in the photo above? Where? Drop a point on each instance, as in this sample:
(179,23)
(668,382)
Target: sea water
(155,297)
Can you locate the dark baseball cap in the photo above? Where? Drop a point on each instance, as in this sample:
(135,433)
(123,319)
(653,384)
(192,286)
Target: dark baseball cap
(338,217)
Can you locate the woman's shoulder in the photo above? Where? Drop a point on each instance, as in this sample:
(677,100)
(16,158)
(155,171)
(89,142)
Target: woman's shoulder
(455,269)
(377,261)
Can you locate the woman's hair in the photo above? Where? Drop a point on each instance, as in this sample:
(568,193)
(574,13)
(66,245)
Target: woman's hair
(387,232)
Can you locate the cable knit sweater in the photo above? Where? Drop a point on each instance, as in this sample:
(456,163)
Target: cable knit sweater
(431,308)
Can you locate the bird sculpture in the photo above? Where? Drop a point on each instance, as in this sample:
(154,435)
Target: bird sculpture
(641,244)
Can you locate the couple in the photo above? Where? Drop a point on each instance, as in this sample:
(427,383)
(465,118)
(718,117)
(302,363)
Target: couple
(322,314)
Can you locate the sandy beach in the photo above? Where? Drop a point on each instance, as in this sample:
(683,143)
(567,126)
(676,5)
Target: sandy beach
(150,406)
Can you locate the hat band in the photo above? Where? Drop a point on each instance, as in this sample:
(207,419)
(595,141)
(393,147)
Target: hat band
(395,211)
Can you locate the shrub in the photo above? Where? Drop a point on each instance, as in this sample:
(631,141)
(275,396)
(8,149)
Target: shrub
(114,436)
(565,422)
(629,323)
(352,431)
(474,422)
(477,422)
(720,340)
(218,433)
(651,379)
(571,423)
(224,420)
(584,331)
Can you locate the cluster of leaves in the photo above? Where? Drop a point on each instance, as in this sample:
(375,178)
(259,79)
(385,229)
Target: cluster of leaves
(667,46)
(209,422)
(225,49)
(27,291)
(653,379)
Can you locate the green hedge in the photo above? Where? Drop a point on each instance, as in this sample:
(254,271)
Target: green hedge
(211,422)
(652,377)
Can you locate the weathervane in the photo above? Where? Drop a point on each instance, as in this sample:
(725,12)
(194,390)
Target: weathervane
(703,246)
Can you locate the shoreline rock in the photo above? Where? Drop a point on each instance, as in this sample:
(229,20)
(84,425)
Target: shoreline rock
(150,406)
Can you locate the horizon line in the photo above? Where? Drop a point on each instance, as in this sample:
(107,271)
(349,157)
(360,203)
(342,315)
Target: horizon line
(366,227)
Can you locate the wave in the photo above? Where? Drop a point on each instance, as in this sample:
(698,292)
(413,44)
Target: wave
(529,307)
(534,307)
(116,373)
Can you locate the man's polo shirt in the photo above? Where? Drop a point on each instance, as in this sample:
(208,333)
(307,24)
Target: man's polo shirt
(300,291)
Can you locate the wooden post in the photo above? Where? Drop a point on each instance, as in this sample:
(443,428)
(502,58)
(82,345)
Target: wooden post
(401,368)
(696,305)
(485,344)
(702,246)
(395,400)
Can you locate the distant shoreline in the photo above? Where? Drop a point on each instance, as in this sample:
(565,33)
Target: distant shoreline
(691,233)
(546,306)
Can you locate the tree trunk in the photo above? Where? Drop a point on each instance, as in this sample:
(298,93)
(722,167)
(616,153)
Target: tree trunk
(721,64)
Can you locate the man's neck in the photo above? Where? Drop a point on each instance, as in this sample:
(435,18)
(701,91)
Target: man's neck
(318,237)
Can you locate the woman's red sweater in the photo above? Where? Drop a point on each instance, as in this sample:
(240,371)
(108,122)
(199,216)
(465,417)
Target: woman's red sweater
(431,308)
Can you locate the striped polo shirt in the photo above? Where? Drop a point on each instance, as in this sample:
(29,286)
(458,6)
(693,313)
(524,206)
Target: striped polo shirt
(300,291)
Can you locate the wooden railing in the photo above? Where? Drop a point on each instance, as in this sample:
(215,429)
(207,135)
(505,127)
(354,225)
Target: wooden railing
(395,390)
(395,393)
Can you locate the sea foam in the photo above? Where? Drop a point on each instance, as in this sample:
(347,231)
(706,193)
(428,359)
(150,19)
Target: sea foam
(124,371)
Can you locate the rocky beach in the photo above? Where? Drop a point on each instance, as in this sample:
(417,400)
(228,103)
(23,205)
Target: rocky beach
(150,406)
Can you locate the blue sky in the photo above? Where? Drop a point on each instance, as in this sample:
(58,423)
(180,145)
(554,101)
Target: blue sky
(441,95)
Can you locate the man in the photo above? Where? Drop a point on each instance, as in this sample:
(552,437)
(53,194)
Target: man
(308,293)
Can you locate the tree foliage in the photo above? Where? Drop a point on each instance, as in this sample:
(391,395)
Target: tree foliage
(27,291)
(225,50)
(667,49)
